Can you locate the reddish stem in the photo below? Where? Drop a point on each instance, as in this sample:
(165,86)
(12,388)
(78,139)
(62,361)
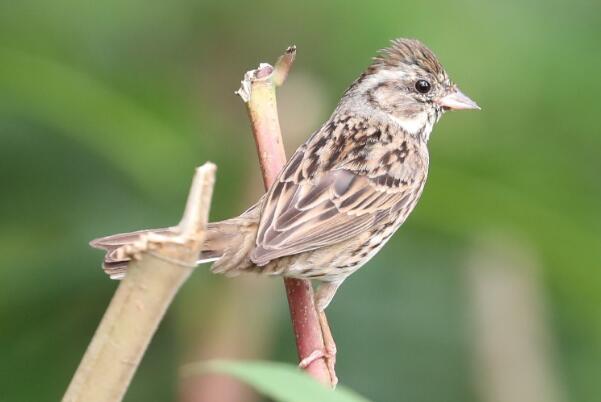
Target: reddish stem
(263,114)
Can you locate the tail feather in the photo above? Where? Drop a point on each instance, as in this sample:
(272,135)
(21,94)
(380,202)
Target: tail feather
(115,265)
(229,239)
(118,240)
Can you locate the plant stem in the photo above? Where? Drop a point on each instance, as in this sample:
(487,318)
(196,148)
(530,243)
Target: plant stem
(258,92)
(141,301)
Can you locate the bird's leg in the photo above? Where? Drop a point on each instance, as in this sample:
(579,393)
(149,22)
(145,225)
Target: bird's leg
(325,293)
(323,297)
(330,347)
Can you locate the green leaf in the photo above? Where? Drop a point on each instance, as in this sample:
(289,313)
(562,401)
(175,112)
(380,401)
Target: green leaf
(282,382)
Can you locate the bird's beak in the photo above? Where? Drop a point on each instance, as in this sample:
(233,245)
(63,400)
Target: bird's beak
(457,100)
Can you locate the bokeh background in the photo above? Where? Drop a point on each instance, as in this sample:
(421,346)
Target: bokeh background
(490,292)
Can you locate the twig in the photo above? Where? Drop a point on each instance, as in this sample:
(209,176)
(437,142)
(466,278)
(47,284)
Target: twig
(258,92)
(283,65)
(140,302)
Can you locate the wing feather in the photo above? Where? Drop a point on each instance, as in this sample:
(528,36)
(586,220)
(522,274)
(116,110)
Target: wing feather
(317,202)
(339,206)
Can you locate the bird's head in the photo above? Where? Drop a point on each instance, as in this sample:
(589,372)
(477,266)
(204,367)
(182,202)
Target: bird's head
(407,82)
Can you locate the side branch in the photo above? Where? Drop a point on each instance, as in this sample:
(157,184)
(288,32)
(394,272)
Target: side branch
(258,92)
(141,301)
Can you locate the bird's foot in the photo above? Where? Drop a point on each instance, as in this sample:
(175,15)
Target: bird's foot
(329,357)
(313,357)
(328,353)
(330,347)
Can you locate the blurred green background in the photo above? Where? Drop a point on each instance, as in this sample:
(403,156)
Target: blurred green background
(490,292)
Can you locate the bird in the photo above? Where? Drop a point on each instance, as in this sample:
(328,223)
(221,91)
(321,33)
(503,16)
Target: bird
(345,191)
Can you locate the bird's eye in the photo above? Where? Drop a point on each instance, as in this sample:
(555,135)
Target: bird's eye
(423,86)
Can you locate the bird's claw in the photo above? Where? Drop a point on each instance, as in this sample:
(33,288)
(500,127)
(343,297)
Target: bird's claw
(314,356)
(329,357)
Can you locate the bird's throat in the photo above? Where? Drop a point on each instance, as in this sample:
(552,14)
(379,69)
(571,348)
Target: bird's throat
(419,125)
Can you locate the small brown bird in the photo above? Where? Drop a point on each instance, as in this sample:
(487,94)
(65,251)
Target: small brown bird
(346,190)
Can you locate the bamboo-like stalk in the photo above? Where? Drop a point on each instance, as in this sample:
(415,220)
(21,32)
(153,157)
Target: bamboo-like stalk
(141,301)
(258,92)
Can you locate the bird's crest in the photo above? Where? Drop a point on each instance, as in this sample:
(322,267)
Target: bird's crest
(408,52)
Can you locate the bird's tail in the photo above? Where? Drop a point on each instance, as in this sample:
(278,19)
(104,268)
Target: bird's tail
(228,243)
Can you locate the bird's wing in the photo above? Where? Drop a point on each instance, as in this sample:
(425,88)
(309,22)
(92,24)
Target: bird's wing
(308,209)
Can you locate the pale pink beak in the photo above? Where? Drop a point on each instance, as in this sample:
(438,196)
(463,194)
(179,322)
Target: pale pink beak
(457,100)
